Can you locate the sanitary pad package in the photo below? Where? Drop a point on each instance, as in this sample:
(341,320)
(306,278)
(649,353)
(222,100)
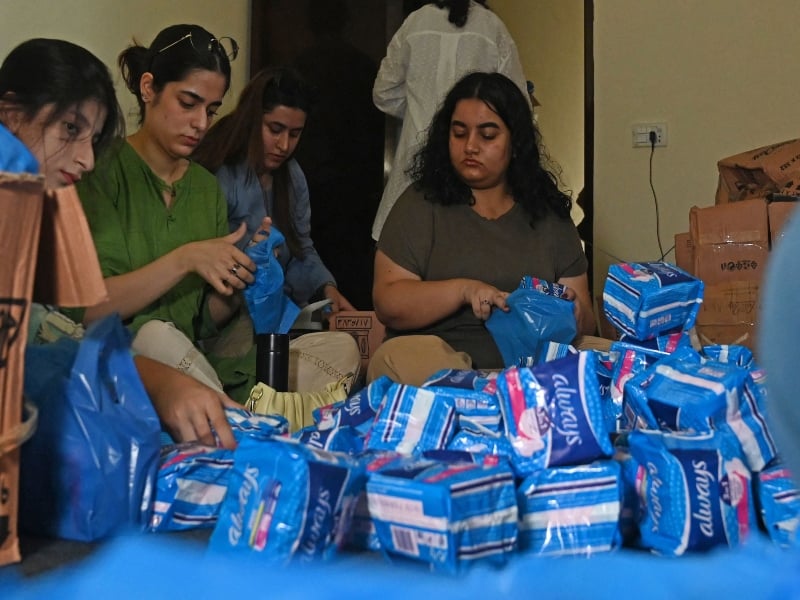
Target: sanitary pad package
(644,300)
(553,413)
(287,501)
(190,486)
(571,510)
(448,514)
(684,392)
(412,420)
(696,491)
(357,411)
(779,505)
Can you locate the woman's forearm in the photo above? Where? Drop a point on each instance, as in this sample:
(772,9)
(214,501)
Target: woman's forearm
(132,292)
(410,304)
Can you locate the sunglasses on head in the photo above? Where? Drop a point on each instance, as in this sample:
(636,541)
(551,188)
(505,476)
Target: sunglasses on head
(225,45)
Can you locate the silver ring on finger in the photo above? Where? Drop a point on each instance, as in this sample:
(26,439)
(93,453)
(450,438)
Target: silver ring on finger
(235,268)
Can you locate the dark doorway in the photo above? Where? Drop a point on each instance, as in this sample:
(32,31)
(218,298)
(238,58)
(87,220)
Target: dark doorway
(338,45)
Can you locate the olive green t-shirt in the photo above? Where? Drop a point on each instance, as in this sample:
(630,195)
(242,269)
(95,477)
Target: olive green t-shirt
(444,242)
(132,226)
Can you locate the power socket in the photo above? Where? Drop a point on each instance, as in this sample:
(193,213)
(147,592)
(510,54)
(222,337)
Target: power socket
(641,134)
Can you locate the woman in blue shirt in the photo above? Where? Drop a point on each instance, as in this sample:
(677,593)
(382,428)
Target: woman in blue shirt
(250,150)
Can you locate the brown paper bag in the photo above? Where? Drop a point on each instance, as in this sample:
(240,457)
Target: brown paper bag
(43,237)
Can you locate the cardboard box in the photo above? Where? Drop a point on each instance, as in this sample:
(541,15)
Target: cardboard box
(760,172)
(365,327)
(740,335)
(730,241)
(47,246)
(684,252)
(779,213)
(729,314)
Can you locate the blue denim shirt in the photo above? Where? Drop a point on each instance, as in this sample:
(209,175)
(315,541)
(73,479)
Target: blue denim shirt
(248,203)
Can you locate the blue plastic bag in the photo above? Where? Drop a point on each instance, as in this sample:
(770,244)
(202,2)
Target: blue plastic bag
(89,470)
(271,310)
(534,319)
(14,155)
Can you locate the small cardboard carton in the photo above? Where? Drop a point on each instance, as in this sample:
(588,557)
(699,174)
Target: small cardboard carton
(730,241)
(45,246)
(365,327)
(760,172)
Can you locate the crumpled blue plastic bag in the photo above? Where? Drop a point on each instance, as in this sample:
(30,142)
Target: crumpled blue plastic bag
(270,308)
(89,470)
(534,319)
(14,155)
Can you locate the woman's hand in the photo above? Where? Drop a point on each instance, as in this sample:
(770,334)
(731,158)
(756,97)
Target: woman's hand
(338,301)
(482,297)
(220,262)
(188,410)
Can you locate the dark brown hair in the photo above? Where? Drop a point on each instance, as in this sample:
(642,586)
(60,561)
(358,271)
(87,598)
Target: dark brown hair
(237,138)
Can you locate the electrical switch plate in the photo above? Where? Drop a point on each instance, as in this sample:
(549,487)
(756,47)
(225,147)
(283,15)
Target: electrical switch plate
(641,134)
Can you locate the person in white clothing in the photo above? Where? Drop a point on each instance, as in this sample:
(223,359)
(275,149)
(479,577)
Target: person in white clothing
(435,46)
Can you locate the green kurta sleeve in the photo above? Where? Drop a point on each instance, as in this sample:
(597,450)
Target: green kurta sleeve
(132,226)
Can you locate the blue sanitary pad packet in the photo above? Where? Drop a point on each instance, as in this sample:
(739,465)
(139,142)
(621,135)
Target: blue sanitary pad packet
(472,407)
(338,439)
(553,413)
(479,442)
(683,392)
(632,506)
(749,422)
(191,484)
(357,411)
(778,500)
(469,379)
(665,343)
(412,420)
(571,510)
(612,411)
(245,424)
(629,361)
(696,491)
(549,351)
(646,299)
(287,502)
(557,290)
(447,514)
(741,356)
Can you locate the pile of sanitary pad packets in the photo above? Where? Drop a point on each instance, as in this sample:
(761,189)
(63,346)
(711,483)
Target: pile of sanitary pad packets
(653,444)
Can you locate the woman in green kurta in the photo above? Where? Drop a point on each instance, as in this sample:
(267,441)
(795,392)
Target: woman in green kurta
(159,220)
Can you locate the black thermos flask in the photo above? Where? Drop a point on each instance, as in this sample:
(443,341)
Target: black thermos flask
(272,360)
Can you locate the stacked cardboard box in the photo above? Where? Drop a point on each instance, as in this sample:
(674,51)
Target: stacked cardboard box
(728,244)
(47,255)
(365,327)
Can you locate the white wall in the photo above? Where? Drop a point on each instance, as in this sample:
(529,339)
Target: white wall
(723,75)
(549,37)
(108,26)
